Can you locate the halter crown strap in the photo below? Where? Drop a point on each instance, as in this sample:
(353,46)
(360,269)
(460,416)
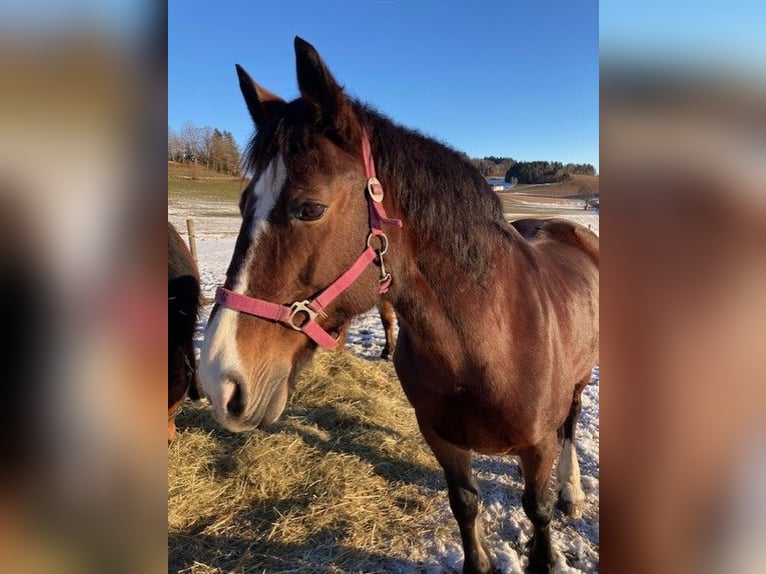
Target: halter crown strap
(369,162)
(375,189)
(301,315)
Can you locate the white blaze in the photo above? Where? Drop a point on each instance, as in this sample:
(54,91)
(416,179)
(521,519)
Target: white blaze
(219,355)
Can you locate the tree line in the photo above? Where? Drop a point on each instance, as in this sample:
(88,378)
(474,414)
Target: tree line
(211,147)
(546,171)
(530,171)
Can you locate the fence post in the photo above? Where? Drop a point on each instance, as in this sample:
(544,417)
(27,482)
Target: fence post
(192,239)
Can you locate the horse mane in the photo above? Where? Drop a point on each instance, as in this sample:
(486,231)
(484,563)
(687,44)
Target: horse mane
(443,196)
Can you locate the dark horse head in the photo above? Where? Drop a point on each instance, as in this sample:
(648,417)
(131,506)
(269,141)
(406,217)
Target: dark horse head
(305,220)
(183,304)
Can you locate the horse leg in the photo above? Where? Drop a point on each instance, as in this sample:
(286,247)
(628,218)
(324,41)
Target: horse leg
(340,346)
(571,498)
(387,317)
(537,500)
(171,428)
(464,501)
(191,368)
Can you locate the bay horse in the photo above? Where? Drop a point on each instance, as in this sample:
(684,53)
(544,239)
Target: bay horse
(498,331)
(183,306)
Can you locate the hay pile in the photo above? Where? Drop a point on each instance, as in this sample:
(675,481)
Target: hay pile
(342,483)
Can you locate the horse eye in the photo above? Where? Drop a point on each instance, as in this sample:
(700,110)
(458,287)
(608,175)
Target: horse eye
(310,211)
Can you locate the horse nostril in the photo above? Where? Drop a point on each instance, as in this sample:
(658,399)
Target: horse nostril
(236,404)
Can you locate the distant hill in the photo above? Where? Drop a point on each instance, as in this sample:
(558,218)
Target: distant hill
(576,186)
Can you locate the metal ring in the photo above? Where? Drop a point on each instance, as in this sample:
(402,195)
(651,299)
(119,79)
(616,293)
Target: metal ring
(383,242)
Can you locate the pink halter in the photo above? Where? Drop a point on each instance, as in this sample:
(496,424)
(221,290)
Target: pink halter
(302,315)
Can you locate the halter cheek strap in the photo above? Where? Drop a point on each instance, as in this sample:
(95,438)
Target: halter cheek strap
(302,315)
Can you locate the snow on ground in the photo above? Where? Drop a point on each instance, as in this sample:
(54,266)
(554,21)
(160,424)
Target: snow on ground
(506,526)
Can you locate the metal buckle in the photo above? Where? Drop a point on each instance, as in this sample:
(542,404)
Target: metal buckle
(384,275)
(301,307)
(383,242)
(375,189)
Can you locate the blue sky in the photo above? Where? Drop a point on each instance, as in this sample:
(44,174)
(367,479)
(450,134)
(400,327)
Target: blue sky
(506,78)
(704,36)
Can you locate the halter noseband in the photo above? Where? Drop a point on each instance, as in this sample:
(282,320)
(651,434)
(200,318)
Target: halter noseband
(301,315)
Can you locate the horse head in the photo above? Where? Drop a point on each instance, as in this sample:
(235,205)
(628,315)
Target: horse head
(305,220)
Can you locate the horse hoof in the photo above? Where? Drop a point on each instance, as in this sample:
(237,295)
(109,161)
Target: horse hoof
(571,501)
(483,564)
(491,570)
(541,567)
(571,509)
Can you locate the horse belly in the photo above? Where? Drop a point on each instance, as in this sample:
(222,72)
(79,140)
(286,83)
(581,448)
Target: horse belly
(482,424)
(492,403)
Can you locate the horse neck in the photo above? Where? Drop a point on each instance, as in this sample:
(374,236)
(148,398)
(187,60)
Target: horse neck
(435,289)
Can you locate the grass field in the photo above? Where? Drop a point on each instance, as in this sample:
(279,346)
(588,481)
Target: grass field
(190,181)
(547,200)
(577,186)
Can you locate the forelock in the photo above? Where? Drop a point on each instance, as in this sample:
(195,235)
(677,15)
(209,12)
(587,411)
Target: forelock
(294,136)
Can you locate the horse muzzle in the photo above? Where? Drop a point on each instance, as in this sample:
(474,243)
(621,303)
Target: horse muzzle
(246,405)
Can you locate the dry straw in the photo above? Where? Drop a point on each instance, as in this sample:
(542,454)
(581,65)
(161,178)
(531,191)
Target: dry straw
(343,483)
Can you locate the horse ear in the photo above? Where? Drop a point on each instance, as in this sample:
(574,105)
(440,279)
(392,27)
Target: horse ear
(261,103)
(319,89)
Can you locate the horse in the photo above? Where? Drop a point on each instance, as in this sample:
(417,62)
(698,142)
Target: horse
(498,330)
(388,319)
(183,306)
